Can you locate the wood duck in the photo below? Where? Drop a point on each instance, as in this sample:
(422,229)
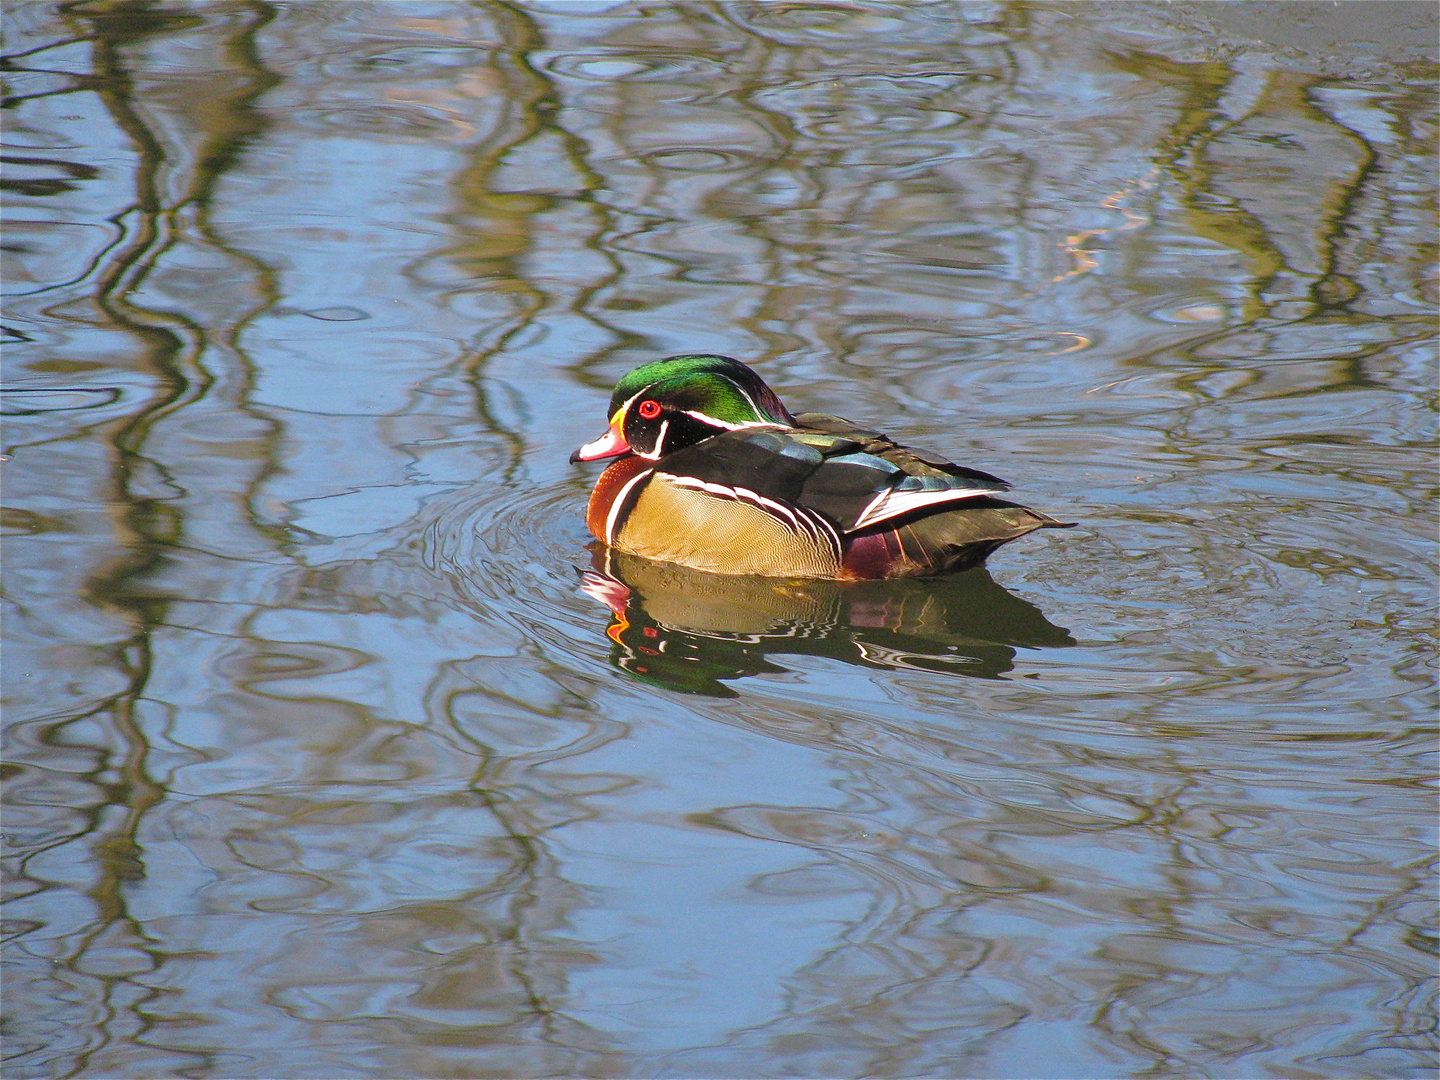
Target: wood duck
(713,472)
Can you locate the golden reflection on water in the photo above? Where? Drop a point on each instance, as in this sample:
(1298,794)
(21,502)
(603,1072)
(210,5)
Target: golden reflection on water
(320,758)
(689,630)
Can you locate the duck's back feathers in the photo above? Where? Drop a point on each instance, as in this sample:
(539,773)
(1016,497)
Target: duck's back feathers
(854,478)
(913,461)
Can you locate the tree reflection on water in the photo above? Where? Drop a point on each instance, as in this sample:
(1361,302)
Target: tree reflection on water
(318,760)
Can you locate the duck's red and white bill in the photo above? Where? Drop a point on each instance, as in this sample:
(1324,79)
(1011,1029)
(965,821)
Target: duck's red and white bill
(607,445)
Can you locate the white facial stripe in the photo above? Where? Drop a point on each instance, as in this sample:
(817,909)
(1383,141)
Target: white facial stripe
(660,437)
(706,418)
(615,507)
(890,503)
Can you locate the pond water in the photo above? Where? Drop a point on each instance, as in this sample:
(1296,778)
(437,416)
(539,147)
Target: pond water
(327,757)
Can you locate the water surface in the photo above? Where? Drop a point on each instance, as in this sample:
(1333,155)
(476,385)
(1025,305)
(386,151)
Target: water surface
(336,749)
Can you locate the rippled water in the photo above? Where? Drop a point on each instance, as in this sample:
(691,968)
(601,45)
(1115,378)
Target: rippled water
(337,749)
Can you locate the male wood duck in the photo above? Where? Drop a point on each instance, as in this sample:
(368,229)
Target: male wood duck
(716,474)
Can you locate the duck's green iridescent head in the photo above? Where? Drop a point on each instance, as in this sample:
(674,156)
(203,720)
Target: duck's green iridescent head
(679,401)
(721,388)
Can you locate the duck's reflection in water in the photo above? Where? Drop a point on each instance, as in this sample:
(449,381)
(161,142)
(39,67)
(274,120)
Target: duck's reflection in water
(688,630)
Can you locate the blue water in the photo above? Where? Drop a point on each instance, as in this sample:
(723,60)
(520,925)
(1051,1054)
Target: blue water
(328,759)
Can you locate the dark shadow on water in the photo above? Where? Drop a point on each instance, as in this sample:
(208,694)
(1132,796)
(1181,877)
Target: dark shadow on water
(688,630)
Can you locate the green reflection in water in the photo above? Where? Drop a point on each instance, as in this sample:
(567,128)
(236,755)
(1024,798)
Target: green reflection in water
(324,267)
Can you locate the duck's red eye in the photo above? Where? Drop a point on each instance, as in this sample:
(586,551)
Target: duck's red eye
(649,409)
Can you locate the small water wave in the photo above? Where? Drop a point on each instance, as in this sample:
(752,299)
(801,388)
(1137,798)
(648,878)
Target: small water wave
(515,548)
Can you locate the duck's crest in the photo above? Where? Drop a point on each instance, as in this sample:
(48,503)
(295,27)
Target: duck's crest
(723,388)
